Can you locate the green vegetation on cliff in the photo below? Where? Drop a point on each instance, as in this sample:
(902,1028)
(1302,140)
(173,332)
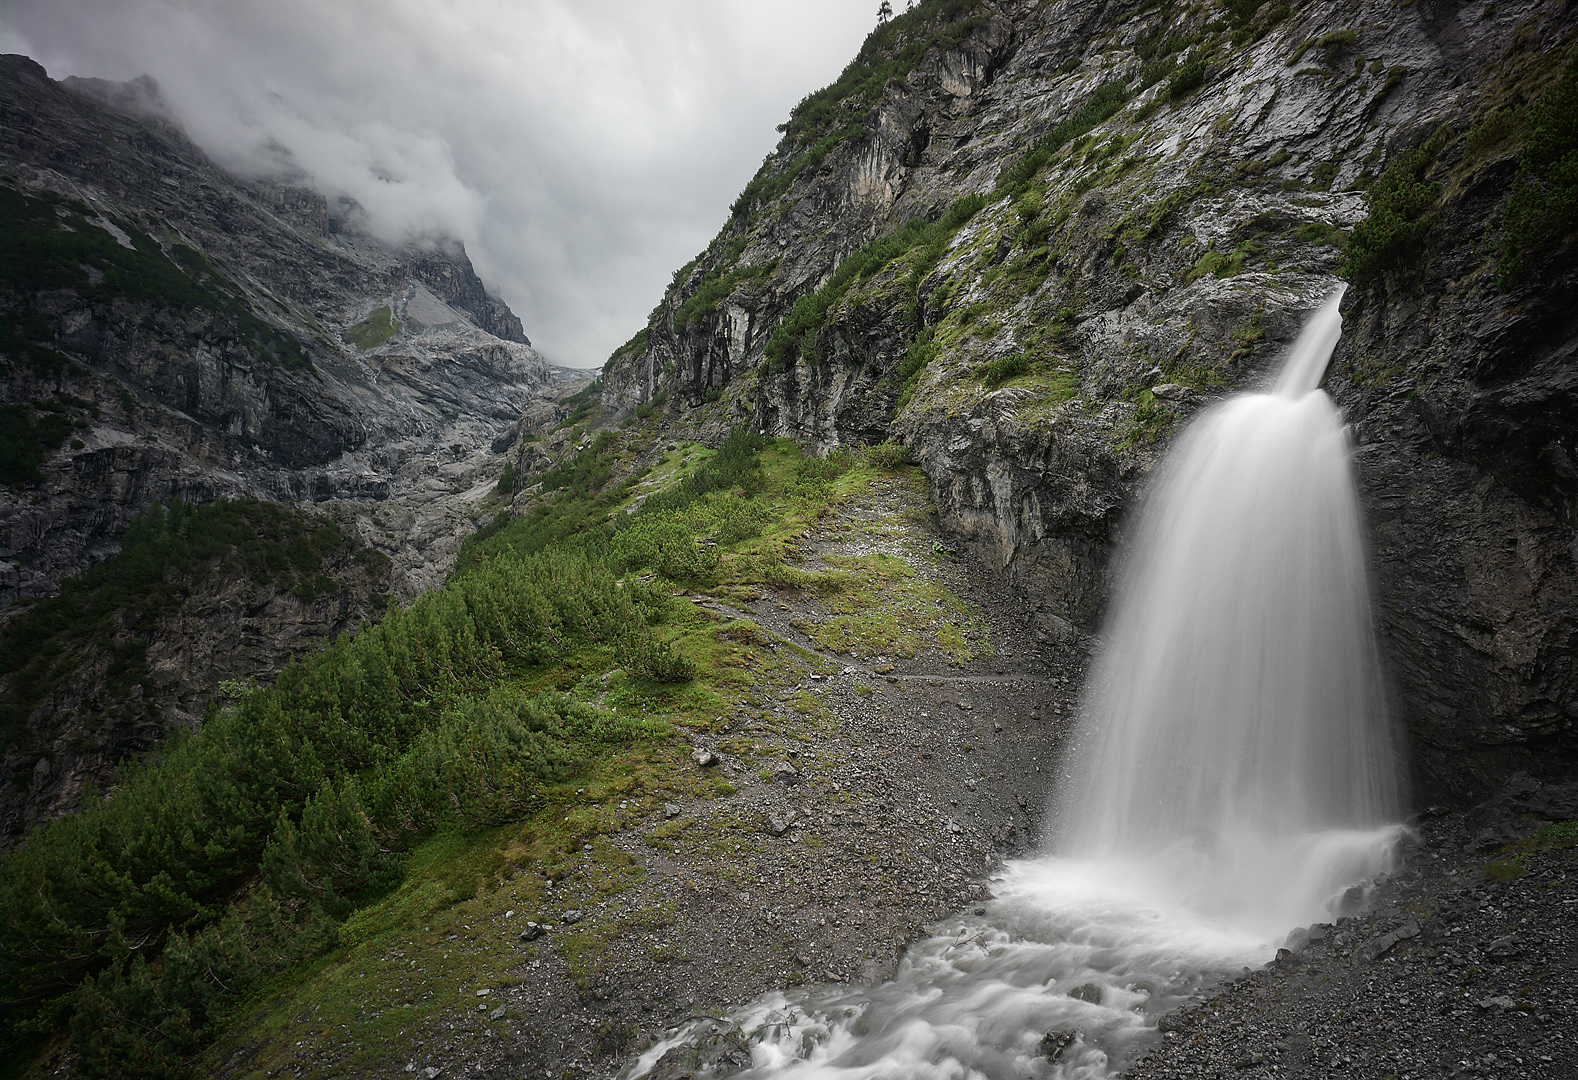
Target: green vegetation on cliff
(374,330)
(54,243)
(29,432)
(243,845)
(1543,209)
(105,614)
(838,112)
(1401,205)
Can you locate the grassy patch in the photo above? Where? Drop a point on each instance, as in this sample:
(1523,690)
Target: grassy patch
(1511,863)
(374,330)
(879,605)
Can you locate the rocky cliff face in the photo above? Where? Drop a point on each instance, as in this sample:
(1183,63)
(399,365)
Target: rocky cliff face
(1124,212)
(211,336)
(171,331)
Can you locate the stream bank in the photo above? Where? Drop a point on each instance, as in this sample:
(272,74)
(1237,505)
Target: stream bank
(1465,965)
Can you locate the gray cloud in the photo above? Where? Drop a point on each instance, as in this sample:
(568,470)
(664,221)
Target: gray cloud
(582,149)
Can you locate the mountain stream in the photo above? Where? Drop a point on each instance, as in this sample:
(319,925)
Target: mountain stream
(1234,777)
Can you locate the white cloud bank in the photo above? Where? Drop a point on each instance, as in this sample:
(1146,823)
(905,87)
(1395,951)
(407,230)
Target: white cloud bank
(582,149)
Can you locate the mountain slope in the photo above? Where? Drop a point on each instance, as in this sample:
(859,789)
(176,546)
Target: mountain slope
(1030,239)
(169,331)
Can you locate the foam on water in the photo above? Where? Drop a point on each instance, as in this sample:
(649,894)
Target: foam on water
(1233,774)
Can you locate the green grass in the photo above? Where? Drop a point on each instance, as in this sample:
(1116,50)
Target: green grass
(374,330)
(879,605)
(1511,863)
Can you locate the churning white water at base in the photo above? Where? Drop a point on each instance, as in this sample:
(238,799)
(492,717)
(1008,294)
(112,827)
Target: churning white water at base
(1233,775)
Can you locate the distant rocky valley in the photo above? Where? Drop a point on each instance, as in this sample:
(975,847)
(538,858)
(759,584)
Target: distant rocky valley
(175,332)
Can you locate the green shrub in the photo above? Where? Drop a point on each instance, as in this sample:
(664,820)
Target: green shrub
(647,408)
(638,341)
(733,466)
(506,484)
(1189,78)
(1543,208)
(1331,44)
(28,432)
(1219,265)
(667,544)
(996,372)
(887,456)
(827,467)
(642,652)
(1402,202)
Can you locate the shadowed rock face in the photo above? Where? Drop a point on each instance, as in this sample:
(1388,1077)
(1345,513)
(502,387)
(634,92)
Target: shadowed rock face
(257,347)
(1159,260)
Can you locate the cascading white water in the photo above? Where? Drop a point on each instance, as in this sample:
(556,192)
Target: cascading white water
(1233,734)
(1234,771)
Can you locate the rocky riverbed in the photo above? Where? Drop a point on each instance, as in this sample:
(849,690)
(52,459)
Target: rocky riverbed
(1465,964)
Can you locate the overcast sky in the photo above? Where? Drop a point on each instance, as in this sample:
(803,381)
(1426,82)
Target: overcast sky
(582,149)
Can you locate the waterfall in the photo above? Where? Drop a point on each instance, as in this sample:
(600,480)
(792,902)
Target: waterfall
(1233,738)
(1234,772)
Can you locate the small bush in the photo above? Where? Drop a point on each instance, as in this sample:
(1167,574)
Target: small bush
(887,456)
(642,652)
(28,432)
(995,373)
(1189,78)
(1543,209)
(828,468)
(1401,212)
(647,408)
(506,484)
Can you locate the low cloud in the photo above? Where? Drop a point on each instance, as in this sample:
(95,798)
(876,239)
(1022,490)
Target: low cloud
(582,149)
